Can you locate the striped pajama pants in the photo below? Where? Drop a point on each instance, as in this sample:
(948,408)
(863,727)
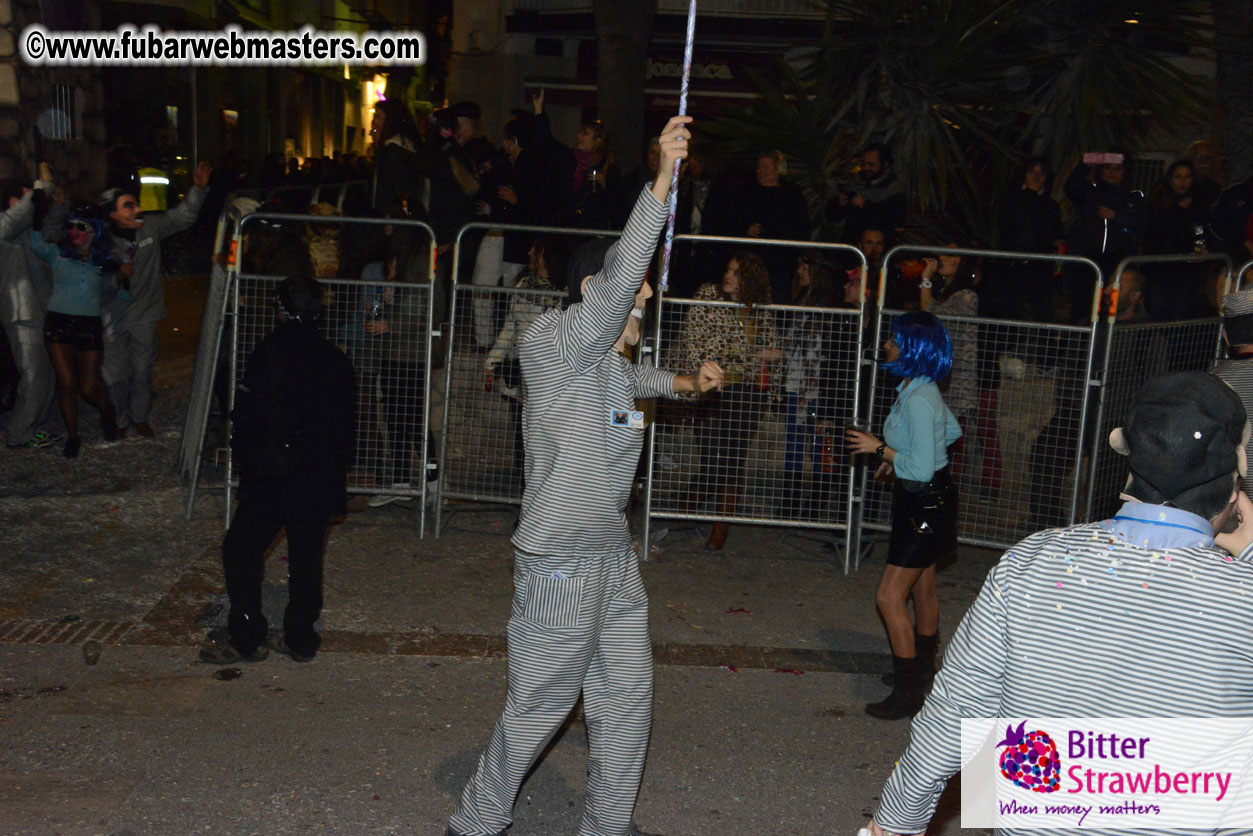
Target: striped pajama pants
(578,624)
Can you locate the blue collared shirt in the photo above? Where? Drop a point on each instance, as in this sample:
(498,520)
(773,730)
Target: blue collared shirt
(919,427)
(1160,527)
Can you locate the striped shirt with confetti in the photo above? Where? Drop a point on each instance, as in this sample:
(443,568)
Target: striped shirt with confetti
(1140,615)
(581,446)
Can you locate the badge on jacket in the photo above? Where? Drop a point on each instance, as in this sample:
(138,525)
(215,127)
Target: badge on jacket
(626,419)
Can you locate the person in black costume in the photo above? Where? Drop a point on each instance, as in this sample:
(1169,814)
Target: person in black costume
(293,440)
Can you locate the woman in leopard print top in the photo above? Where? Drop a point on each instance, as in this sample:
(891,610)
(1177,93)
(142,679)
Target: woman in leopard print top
(741,338)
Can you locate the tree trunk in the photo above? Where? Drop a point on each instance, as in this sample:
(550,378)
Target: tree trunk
(623,29)
(1233,40)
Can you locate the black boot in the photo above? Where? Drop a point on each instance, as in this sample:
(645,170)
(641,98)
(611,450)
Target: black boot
(906,697)
(924,650)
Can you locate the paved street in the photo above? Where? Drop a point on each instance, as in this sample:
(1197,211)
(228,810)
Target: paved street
(765,654)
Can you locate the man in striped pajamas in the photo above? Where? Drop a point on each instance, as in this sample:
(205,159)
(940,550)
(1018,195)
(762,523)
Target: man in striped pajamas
(579,622)
(1141,615)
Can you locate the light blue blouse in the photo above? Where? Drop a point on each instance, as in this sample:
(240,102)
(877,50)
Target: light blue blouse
(919,427)
(76,285)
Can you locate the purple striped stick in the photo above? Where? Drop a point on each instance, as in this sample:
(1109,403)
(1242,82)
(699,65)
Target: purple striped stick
(674,178)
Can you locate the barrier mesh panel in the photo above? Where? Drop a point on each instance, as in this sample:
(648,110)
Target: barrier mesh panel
(1136,353)
(1017,390)
(769,447)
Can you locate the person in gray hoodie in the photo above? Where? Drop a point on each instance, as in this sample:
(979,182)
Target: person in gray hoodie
(130,327)
(25,285)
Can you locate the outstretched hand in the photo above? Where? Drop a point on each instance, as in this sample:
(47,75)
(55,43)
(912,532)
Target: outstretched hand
(200,177)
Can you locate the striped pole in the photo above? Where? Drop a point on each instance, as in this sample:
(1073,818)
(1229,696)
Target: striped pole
(674,178)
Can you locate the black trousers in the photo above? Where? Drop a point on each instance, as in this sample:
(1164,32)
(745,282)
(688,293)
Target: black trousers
(257,522)
(402,385)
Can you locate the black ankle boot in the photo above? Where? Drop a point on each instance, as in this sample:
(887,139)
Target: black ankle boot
(907,694)
(925,648)
(924,651)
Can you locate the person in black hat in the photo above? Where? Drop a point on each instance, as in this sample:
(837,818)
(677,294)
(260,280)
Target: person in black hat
(1143,613)
(292,440)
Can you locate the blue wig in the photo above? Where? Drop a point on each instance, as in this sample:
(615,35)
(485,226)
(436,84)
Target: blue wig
(99,255)
(925,348)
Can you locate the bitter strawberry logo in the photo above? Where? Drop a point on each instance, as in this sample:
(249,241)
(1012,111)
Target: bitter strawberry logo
(1030,759)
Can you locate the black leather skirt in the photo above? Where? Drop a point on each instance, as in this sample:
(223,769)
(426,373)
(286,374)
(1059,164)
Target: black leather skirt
(924,520)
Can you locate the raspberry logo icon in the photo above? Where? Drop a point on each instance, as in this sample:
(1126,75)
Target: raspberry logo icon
(1030,759)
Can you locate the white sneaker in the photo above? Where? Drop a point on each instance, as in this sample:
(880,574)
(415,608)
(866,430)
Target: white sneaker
(381,499)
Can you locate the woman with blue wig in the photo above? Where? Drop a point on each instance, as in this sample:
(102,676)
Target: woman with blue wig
(82,271)
(917,432)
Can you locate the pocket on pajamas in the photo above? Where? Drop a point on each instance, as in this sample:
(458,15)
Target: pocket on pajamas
(552,601)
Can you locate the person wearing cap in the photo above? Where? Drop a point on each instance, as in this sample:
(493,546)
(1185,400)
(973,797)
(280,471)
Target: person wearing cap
(130,325)
(292,439)
(579,623)
(1237,369)
(1144,614)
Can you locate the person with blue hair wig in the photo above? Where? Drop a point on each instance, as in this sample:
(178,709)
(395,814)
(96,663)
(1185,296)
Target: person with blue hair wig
(916,434)
(82,273)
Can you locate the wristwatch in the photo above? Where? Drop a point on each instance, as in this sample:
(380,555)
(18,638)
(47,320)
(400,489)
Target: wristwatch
(878,451)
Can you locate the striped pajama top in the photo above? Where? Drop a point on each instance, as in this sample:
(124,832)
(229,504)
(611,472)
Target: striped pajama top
(579,463)
(1137,616)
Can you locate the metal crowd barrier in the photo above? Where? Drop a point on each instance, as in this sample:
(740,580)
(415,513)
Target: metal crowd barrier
(480,437)
(1132,353)
(1018,389)
(213,319)
(1238,282)
(769,448)
(392,364)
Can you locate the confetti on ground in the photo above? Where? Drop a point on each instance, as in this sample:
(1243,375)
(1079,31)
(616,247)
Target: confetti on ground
(789,670)
(740,610)
(730,668)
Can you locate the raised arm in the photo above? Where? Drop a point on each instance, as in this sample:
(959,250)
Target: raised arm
(589,329)
(184,214)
